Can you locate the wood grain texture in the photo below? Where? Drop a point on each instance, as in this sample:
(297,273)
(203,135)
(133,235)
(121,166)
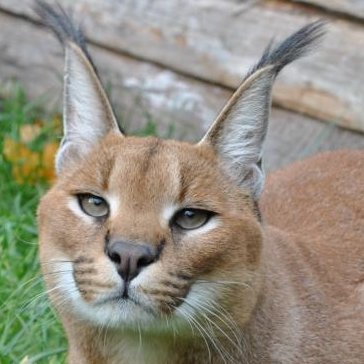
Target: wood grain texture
(218,40)
(142,91)
(354,8)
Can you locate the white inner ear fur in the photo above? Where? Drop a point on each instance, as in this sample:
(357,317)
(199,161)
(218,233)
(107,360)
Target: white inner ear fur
(88,115)
(84,107)
(242,136)
(241,130)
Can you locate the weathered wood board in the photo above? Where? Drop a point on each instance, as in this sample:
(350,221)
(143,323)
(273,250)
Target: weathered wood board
(218,40)
(292,137)
(142,90)
(354,8)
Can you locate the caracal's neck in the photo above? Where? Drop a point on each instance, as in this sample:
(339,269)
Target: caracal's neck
(275,327)
(95,346)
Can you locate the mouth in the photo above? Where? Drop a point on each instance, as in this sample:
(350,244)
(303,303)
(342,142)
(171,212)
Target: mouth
(121,297)
(124,298)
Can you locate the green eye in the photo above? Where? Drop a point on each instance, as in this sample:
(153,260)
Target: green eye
(189,219)
(93,205)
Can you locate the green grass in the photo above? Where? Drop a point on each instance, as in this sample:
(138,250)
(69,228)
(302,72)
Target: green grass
(29,329)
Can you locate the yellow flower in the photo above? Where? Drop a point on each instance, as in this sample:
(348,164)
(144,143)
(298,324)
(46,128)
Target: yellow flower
(48,157)
(29,132)
(29,166)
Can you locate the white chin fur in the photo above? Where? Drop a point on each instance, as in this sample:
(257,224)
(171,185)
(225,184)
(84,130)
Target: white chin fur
(101,312)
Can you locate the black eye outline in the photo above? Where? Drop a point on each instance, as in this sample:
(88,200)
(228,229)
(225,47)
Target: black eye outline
(82,196)
(208,214)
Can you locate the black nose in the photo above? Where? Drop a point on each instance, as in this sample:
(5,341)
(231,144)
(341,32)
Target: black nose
(131,258)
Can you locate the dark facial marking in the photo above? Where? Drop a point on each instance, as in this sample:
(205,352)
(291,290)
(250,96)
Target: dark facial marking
(149,154)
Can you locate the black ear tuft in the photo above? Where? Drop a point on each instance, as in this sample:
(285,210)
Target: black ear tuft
(63,25)
(292,48)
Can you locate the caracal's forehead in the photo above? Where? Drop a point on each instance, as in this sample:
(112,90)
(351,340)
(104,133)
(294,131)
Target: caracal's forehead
(145,171)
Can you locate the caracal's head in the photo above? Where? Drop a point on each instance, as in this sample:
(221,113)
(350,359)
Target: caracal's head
(143,231)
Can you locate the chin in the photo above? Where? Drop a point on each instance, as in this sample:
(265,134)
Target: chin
(117,313)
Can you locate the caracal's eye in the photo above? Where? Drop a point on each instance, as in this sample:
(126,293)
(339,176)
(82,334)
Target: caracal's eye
(189,219)
(93,205)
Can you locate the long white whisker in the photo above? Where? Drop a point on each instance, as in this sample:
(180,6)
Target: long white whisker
(140,340)
(225,319)
(57,272)
(209,335)
(38,296)
(191,321)
(56,261)
(205,308)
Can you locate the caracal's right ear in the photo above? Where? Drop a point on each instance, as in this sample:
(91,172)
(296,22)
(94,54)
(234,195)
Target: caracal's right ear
(87,113)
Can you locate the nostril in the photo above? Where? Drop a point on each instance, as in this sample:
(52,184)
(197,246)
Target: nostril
(115,257)
(144,261)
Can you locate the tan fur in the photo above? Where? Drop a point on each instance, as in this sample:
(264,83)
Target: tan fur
(305,293)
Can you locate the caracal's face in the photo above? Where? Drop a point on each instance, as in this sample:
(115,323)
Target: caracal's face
(147,189)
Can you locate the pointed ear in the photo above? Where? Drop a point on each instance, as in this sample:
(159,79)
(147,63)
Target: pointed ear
(238,133)
(87,113)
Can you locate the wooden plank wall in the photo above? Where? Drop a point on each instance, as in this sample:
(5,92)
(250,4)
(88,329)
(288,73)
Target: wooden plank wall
(216,41)
(139,89)
(350,8)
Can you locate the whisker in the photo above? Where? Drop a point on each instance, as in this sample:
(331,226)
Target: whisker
(191,321)
(221,311)
(140,339)
(106,327)
(44,294)
(221,351)
(235,344)
(57,261)
(35,281)
(57,272)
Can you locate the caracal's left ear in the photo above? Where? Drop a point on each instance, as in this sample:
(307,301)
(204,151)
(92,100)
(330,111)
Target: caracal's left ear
(87,112)
(238,133)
